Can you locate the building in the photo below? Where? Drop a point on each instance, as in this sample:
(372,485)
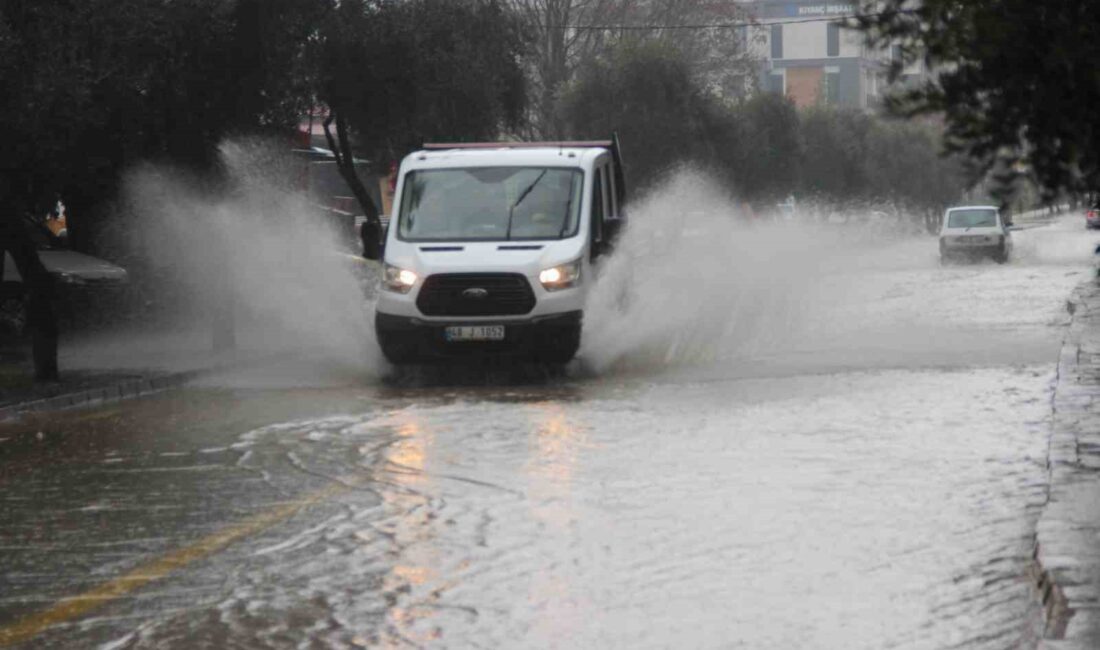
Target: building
(805,54)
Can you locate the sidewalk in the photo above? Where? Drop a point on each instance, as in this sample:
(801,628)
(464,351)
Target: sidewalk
(104,370)
(1067,551)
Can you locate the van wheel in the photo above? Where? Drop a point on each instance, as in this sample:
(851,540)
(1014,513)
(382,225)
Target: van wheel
(395,350)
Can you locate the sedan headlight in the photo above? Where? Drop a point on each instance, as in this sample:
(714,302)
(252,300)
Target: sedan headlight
(562,276)
(397,279)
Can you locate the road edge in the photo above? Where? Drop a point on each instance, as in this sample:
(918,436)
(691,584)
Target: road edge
(1065,567)
(117,391)
(112,392)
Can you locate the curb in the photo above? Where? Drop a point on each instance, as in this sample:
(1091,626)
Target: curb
(1065,567)
(123,390)
(115,392)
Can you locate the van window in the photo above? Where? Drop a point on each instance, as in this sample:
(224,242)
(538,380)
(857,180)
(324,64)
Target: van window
(490,204)
(612,194)
(597,206)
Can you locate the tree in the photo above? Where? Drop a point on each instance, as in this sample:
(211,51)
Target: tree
(569,35)
(771,164)
(91,87)
(396,74)
(904,163)
(646,91)
(835,152)
(1014,79)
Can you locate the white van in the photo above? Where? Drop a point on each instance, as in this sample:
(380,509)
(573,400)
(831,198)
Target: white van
(491,249)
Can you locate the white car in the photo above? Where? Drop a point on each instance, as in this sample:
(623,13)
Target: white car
(492,249)
(975,231)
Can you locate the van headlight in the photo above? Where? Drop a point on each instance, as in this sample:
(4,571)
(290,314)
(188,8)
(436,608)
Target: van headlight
(397,279)
(562,276)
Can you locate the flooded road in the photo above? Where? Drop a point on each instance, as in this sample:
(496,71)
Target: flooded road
(870,482)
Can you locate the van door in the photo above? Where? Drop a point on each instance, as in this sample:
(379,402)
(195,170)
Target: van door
(602,208)
(599,201)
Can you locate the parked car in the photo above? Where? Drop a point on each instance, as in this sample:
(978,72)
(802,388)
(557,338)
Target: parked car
(69,267)
(975,231)
(1092,216)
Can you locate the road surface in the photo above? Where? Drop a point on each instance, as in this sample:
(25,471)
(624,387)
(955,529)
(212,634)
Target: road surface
(866,475)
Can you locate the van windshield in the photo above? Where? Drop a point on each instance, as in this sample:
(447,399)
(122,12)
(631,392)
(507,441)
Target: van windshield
(490,204)
(972,219)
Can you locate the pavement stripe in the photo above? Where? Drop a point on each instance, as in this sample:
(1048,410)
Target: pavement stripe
(72,608)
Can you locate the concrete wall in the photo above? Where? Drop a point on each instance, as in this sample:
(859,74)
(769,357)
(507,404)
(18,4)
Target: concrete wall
(851,72)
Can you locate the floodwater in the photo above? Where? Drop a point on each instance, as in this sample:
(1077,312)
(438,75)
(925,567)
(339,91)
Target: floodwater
(868,478)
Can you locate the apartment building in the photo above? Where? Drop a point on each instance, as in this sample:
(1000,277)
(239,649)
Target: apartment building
(805,54)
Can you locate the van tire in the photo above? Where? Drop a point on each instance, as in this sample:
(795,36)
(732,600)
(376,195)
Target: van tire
(395,350)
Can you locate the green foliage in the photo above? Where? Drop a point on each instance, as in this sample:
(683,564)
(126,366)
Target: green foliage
(408,72)
(563,44)
(835,162)
(772,147)
(763,147)
(1016,80)
(857,156)
(904,161)
(645,91)
(91,87)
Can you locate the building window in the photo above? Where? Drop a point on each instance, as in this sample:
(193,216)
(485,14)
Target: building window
(833,40)
(777,41)
(775,83)
(832,88)
(895,54)
(743,38)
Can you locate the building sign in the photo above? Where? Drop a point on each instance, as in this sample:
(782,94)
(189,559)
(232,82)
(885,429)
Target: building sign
(821,10)
(805,9)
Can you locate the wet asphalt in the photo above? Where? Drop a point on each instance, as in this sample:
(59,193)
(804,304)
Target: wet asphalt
(874,486)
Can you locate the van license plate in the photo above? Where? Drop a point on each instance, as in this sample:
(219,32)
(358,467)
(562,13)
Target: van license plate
(474,333)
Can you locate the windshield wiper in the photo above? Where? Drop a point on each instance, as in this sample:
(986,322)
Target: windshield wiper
(522,195)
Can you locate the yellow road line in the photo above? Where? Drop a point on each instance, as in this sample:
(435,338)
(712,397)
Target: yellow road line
(71,608)
(97,414)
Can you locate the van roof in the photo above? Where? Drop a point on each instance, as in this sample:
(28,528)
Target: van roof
(551,144)
(558,154)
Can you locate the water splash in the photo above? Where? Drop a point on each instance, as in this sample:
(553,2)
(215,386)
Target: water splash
(295,285)
(696,280)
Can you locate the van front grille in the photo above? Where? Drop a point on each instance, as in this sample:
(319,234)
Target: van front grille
(476,294)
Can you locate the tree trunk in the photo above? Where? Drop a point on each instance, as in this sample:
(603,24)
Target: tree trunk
(371,233)
(39,285)
(44,335)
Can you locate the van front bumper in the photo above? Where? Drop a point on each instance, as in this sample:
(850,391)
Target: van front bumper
(551,337)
